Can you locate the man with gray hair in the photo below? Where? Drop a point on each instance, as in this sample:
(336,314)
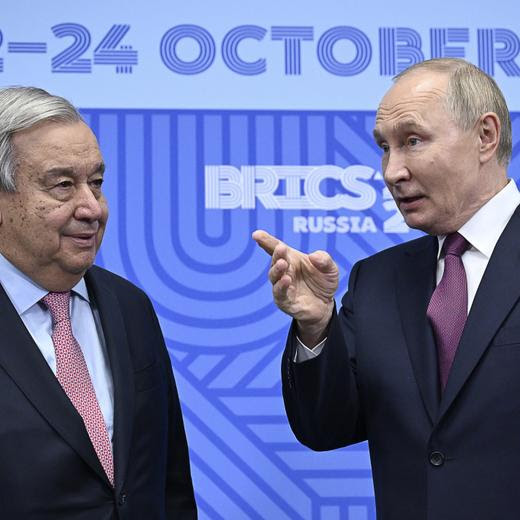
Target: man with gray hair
(91,425)
(423,359)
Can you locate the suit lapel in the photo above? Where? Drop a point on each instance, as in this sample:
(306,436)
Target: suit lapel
(121,367)
(415,284)
(498,291)
(23,361)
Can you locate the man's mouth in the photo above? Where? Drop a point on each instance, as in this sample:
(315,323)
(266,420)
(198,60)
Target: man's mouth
(409,203)
(83,239)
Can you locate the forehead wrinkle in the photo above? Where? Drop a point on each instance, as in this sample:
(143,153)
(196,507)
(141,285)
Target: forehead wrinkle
(388,110)
(418,94)
(407,120)
(407,113)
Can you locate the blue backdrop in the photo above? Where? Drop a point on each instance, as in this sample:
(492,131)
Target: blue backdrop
(214,120)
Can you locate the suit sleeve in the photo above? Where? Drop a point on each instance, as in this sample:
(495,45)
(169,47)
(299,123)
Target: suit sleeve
(321,395)
(180,499)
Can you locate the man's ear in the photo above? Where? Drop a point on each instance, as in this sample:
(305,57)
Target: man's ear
(489,136)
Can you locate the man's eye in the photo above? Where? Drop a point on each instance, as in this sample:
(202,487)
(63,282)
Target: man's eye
(97,183)
(413,141)
(64,184)
(384,147)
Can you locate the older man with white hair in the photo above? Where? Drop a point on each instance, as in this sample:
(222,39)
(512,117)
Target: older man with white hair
(90,421)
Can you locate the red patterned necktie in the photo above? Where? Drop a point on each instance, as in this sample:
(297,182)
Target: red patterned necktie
(448,308)
(72,373)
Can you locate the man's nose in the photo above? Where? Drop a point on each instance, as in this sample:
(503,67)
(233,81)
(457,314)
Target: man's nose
(395,168)
(88,205)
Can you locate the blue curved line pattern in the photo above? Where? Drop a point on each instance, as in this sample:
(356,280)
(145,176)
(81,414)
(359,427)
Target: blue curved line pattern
(506,54)
(336,153)
(209,323)
(69,60)
(132,272)
(222,329)
(168,49)
(410,53)
(180,212)
(147,228)
(230,50)
(204,346)
(182,288)
(204,156)
(326,51)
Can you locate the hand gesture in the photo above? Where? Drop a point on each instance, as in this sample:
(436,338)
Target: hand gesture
(303,285)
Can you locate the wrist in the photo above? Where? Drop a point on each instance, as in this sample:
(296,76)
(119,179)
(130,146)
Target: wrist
(312,332)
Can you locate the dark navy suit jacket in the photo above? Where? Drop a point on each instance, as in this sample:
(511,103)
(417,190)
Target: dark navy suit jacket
(454,456)
(48,467)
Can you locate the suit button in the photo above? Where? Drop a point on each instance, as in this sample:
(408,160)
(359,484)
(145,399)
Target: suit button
(122,499)
(436,458)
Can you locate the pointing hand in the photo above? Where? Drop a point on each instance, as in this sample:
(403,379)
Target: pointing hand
(303,285)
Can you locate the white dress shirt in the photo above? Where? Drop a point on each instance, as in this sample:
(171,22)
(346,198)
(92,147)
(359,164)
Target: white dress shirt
(25,295)
(482,231)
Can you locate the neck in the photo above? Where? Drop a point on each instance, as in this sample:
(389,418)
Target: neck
(50,279)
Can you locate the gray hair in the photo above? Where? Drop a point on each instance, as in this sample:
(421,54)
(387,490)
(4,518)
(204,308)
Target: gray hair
(471,93)
(20,109)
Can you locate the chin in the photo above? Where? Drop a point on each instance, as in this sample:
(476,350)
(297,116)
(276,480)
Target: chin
(418,224)
(78,268)
(426,225)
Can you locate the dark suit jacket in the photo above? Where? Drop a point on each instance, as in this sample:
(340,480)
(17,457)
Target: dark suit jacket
(449,457)
(48,467)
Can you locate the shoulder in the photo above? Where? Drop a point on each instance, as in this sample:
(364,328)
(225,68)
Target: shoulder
(117,284)
(375,274)
(117,297)
(392,256)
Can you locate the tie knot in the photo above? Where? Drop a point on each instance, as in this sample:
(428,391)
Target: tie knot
(58,305)
(455,244)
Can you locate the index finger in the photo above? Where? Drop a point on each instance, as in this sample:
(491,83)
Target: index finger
(266,241)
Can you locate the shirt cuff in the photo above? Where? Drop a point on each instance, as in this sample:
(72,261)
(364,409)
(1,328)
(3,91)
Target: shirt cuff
(304,353)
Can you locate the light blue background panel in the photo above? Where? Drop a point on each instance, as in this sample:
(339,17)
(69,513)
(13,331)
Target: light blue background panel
(217,118)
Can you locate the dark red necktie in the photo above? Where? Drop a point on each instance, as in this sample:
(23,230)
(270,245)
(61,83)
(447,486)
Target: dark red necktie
(448,307)
(72,373)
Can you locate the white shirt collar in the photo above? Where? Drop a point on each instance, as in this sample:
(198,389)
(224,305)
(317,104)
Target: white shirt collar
(24,292)
(484,228)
